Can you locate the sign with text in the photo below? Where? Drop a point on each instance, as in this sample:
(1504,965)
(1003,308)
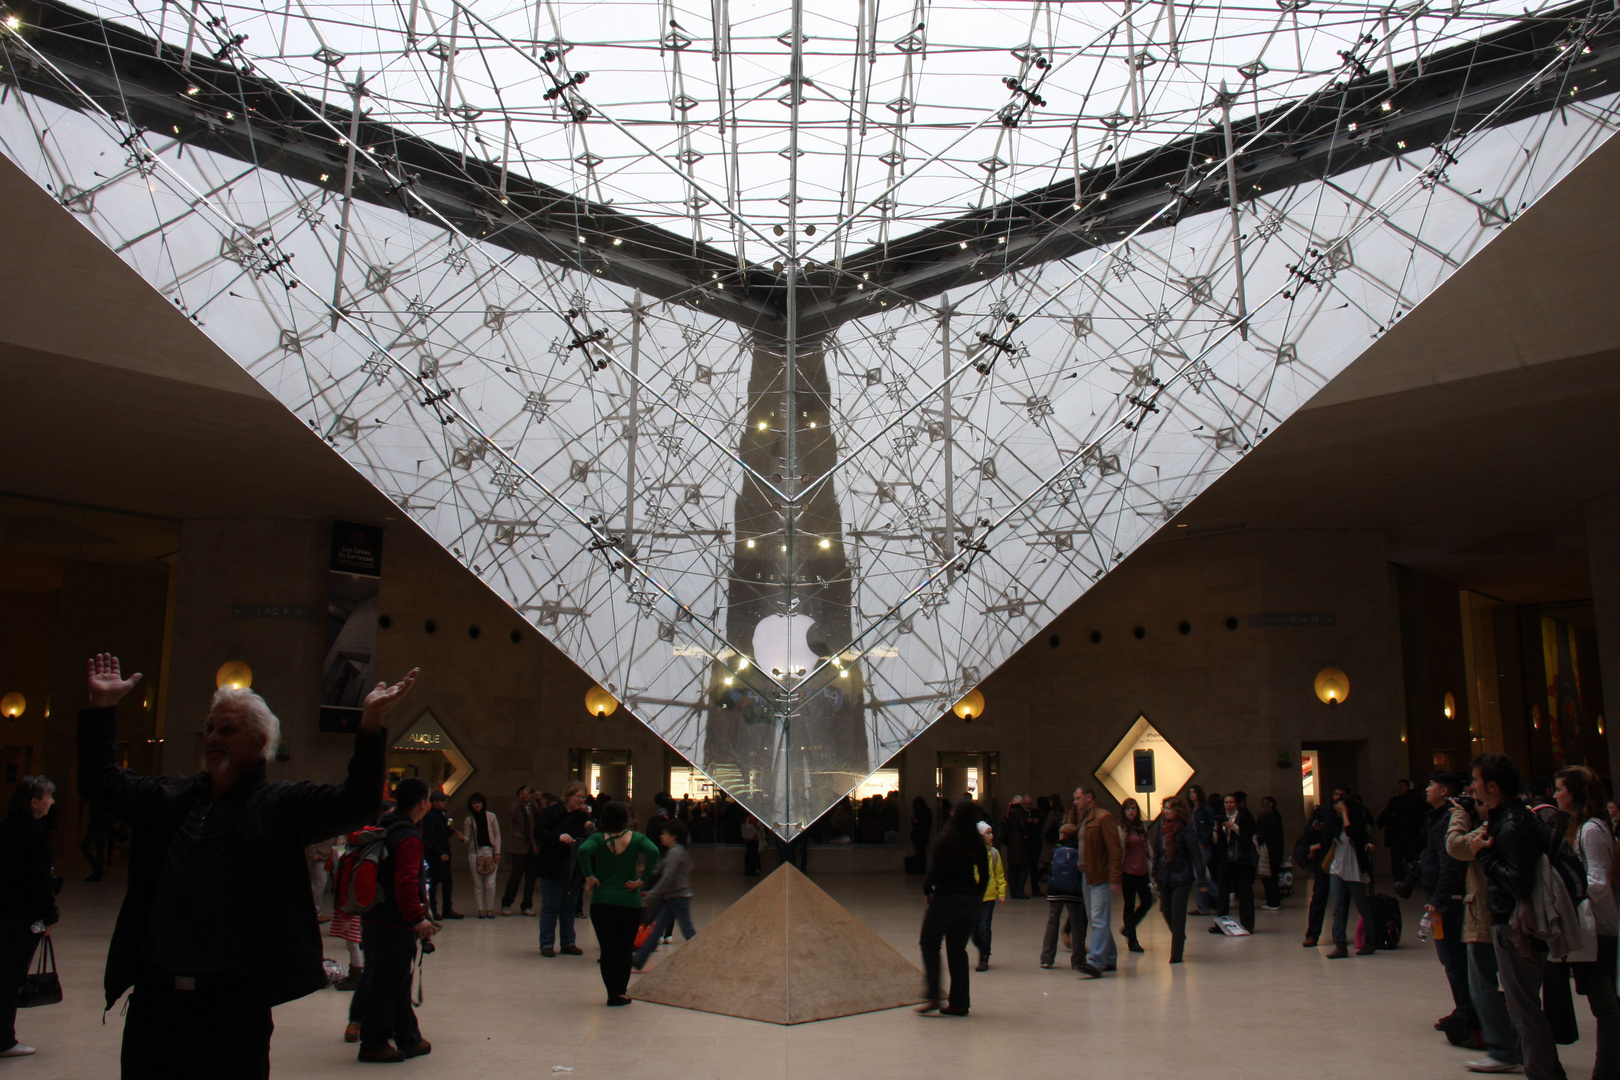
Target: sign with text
(352,584)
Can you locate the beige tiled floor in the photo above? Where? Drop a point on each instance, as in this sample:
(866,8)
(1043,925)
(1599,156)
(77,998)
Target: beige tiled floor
(1261,1006)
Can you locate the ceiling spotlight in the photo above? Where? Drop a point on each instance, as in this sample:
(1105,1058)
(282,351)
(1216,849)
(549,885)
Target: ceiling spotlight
(762,425)
(324,176)
(963,244)
(750,543)
(812,423)
(1387,106)
(191,91)
(826,543)
(581,239)
(617,240)
(1353,125)
(727,680)
(12,22)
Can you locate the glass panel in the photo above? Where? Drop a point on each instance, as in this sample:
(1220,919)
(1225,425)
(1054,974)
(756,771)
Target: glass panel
(785,509)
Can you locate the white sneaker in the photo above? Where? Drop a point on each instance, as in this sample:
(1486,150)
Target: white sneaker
(1491,1065)
(19,1050)
(506,911)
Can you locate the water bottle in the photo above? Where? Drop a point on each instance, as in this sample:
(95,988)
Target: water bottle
(1423,926)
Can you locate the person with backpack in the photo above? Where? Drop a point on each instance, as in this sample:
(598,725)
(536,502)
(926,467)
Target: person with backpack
(1579,794)
(1178,865)
(1065,898)
(1350,871)
(1510,853)
(390,930)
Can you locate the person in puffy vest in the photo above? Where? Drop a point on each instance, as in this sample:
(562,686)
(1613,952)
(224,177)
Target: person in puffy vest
(390,930)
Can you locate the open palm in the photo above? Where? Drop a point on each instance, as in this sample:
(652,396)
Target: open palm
(107,683)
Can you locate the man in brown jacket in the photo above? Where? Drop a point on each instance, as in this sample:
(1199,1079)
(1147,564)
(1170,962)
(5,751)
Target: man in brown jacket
(1100,859)
(520,853)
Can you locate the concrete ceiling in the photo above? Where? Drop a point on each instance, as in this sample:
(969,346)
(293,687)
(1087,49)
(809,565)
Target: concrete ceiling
(1475,431)
(1472,433)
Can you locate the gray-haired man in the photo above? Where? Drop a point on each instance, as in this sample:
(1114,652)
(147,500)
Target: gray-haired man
(217,927)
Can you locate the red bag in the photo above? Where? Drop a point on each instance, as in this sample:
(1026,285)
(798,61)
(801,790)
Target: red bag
(644,933)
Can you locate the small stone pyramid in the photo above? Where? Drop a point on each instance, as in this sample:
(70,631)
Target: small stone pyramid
(786,953)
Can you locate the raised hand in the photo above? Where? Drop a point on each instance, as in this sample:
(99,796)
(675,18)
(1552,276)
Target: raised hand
(107,683)
(382,698)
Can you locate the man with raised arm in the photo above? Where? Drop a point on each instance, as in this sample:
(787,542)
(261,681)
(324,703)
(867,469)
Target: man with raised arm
(216,926)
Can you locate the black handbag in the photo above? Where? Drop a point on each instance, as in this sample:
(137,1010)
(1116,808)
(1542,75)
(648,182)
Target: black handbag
(42,987)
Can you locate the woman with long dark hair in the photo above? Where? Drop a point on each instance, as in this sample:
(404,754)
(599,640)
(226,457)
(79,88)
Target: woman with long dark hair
(1136,870)
(1178,866)
(1579,793)
(27,899)
(617,861)
(483,836)
(958,870)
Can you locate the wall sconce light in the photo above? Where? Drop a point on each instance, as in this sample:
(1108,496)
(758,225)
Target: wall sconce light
(971,705)
(234,674)
(1450,707)
(1600,725)
(599,703)
(12,706)
(1332,685)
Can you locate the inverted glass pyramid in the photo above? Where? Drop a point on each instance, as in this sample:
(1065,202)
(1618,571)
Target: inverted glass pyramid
(794,368)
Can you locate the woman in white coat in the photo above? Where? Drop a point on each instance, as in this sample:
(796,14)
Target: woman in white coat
(483,836)
(1580,795)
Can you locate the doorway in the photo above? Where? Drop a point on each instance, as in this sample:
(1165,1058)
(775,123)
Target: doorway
(603,772)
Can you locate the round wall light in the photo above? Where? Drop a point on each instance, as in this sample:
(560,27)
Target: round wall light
(1332,685)
(12,706)
(234,674)
(1450,707)
(599,703)
(971,705)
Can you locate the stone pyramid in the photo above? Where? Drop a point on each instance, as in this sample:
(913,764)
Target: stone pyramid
(786,953)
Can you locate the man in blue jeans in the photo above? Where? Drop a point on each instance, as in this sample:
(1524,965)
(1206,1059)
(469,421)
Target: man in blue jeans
(560,829)
(1101,858)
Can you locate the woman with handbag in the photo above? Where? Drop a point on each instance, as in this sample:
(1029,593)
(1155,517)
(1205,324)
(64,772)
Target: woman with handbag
(483,837)
(27,901)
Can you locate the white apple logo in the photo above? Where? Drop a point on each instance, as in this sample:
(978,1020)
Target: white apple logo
(780,645)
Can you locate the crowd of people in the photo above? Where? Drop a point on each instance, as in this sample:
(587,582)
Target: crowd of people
(217,926)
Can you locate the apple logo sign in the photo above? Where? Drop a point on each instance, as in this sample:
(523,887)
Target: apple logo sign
(780,645)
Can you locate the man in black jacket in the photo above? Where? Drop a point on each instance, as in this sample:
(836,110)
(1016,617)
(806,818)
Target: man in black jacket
(1444,880)
(1508,855)
(560,829)
(216,926)
(1402,821)
(436,833)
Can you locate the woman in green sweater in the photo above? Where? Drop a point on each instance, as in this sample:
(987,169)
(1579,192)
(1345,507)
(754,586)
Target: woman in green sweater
(616,861)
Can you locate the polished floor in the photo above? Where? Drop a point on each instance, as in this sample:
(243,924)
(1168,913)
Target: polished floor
(1258,1006)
